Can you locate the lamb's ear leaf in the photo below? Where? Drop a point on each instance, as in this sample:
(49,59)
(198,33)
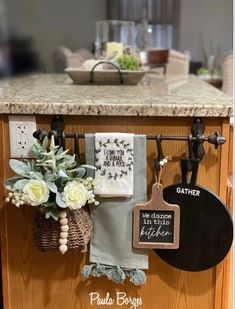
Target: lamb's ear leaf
(79,172)
(37,150)
(47,215)
(49,204)
(19,185)
(88,166)
(36,175)
(62,155)
(54,216)
(19,167)
(62,174)
(59,151)
(51,214)
(48,176)
(59,200)
(9,183)
(51,186)
(45,143)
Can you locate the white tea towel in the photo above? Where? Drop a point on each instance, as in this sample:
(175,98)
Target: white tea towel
(114,163)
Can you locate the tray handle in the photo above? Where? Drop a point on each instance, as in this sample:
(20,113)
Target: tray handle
(107,62)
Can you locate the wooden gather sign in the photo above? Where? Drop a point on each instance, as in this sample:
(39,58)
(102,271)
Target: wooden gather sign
(156,223)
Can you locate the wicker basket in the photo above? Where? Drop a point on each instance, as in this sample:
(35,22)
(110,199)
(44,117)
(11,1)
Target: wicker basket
(46,232)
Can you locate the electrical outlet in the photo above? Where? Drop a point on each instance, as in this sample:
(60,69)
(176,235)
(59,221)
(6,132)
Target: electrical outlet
(21,130)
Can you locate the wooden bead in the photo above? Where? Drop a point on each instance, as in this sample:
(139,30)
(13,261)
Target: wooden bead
(64,221)
(62,214)
(63,235)
(63,241)
(64,228)
(63,248)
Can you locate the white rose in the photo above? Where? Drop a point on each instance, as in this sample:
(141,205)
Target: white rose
(75,194)
(36,192)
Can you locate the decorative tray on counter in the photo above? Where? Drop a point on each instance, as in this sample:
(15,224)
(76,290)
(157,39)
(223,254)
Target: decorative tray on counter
(105,77)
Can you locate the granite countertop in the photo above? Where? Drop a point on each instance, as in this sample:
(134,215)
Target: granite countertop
(154,96)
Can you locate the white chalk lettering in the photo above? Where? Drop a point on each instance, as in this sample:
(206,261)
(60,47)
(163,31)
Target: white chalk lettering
(161,216)
(151,232)
(187,191)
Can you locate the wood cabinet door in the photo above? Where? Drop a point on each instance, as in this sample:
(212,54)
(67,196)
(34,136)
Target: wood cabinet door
(32,279)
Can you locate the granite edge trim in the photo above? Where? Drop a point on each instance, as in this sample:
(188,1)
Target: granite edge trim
(171,110)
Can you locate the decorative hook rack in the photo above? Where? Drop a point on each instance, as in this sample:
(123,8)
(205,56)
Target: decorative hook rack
(197,137)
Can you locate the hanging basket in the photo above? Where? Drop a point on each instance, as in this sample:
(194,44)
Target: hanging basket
(48,234)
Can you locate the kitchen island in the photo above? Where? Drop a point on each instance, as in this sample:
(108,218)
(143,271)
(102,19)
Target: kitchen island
(158,105)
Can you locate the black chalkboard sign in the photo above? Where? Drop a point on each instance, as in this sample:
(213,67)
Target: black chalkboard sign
(156,223)
(156,226)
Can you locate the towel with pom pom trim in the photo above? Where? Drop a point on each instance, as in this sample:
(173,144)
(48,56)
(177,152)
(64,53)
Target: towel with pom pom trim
(111,242)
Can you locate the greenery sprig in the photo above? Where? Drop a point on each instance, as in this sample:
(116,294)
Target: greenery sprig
(51,181)
(128,62)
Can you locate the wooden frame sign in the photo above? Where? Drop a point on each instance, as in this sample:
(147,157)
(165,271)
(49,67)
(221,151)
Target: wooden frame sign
(156,223)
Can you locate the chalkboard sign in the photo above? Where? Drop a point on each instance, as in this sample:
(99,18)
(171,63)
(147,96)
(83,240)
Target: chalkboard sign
(156,226)
(156,223)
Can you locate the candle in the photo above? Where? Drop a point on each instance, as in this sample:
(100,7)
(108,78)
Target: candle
(114,50)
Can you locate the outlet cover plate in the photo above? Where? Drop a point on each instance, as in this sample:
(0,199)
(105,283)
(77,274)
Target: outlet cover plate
(21,130)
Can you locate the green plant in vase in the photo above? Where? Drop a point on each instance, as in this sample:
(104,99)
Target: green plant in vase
(128,62)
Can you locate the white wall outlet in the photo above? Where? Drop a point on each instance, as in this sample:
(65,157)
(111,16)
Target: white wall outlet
(21,130)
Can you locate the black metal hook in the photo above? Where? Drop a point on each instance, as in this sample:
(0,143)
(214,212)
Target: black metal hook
(57,126)
(160,155)
(195,141)
(190,165)
(193,162)
(190,147)
(40,134)
(76,148)
(197,130)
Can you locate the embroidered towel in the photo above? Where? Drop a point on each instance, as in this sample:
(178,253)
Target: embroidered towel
(114,163)
(111,242)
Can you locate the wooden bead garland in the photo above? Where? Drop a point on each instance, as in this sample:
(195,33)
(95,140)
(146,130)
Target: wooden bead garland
(64,232)
(63,235)
(63,241)
(164,161)
(77,231)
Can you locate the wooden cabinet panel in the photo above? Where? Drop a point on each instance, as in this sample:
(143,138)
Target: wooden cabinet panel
(32,279)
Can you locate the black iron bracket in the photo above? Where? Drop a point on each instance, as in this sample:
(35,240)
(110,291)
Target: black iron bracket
(197,137)
(57,127)
(197,130)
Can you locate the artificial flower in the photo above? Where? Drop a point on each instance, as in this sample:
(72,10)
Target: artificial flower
(36,192)
(75,195)
(52,181)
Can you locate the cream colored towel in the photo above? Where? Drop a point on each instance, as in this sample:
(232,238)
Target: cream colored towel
(114,163)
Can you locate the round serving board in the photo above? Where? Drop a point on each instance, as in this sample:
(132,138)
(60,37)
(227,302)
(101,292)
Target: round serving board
(206,228)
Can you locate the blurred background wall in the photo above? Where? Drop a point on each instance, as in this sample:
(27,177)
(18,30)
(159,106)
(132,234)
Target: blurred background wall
(208,23)
(52,23)
(204,25)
